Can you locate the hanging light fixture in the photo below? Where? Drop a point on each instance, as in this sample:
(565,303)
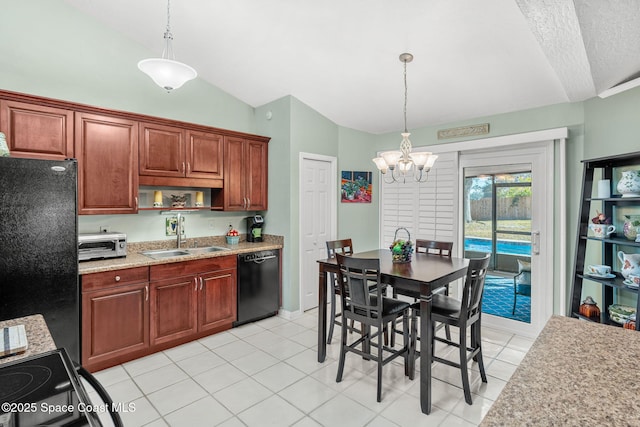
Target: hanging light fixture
(166,72)
(403,163)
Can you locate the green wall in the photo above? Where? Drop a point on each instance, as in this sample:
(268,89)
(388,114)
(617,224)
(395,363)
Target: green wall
(52,50)
(359,220)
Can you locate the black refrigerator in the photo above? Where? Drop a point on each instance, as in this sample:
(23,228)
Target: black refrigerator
(39,246)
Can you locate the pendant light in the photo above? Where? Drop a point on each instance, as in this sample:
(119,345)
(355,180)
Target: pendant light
(404,163)
(166,72)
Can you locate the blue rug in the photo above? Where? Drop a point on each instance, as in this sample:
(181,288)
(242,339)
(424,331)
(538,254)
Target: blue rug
(498,299)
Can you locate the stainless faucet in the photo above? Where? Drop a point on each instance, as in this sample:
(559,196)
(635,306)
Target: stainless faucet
(179,230)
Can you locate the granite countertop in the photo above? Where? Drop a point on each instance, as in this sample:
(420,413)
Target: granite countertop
(577,373)
(135,258)
(38,336)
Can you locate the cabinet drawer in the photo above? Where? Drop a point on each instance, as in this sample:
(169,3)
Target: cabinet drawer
(114,278)
(186,268)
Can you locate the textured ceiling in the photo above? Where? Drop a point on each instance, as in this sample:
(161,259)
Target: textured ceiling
(472,58)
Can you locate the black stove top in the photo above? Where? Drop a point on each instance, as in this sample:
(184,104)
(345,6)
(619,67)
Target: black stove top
(44,390)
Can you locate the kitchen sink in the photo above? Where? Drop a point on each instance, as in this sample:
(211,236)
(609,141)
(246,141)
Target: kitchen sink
(206,249)
(166,253)
(169,253)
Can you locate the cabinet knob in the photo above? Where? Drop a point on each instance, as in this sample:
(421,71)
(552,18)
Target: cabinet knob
(117,278)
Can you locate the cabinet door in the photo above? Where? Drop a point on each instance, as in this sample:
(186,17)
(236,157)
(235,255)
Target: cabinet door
(107,153)
(115,322)
(204,155)
(217,299)
(256,175)
(162,150)
(234,176)
(37,132)
(173,309)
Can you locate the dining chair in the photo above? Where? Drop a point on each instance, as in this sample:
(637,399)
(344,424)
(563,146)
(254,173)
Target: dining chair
(371,309)
(463,313)
(343,247)
(521,282)
(429,247)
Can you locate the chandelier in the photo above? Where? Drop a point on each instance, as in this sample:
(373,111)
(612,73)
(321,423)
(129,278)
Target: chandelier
(404,163)
(166,72)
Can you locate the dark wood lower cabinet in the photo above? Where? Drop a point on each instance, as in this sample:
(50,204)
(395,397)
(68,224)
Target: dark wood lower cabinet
(127,314)
(217,300)
(115,325)
(194,304)
(173,309)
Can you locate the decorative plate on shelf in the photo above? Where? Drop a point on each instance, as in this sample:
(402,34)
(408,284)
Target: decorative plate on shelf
(602,276)
(621,313)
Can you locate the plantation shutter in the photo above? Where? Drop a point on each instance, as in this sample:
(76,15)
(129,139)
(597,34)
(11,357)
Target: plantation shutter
(428,210)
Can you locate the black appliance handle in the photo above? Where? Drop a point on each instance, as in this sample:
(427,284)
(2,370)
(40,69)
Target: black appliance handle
(115,416)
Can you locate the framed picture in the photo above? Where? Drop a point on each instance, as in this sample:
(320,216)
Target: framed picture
(355,187)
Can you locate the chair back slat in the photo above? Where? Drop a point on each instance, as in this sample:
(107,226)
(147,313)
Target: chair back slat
(355,278)
(434,247)
(344,247)
(474,286)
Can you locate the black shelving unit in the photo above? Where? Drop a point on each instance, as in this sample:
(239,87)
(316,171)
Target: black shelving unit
(610,245)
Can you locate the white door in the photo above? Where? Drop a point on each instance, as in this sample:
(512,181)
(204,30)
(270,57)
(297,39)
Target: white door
(318,193)
(507,171)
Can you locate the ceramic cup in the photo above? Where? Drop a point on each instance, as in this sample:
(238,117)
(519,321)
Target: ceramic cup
(599,270)
(602,230)
(634,278)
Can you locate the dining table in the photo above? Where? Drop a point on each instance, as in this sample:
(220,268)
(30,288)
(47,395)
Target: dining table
(424,273)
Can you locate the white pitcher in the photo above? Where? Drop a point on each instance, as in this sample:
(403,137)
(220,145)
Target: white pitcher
(629,184)
(630,264)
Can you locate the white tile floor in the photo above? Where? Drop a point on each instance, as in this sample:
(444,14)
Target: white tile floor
(266,374)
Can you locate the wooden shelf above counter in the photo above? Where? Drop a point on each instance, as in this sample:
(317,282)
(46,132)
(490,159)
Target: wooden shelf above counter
(164,181)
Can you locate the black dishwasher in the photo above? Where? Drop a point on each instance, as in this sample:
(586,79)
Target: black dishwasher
(258,285)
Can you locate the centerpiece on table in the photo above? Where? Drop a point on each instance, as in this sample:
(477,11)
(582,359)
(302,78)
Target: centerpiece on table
(401,249)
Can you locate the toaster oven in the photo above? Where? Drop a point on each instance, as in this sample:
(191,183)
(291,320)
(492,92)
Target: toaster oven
(101,245)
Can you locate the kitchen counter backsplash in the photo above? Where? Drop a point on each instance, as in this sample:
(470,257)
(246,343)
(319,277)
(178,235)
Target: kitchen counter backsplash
(135,258)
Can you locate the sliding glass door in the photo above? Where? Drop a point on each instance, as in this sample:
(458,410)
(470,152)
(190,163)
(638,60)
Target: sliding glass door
(506,200)
(497,220)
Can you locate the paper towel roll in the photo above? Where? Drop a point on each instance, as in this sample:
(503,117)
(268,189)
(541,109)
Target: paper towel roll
(604,189)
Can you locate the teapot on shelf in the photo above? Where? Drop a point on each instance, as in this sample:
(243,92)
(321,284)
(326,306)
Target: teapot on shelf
(630,264)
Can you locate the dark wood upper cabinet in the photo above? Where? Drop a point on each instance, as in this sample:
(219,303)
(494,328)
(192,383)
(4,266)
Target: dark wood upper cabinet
(162,150)
(204,155)
(107,152)
(256,174)
(245,174)
(176,152)
(117,151)
(37,132)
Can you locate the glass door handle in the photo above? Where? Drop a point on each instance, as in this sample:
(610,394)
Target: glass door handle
(535,243)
